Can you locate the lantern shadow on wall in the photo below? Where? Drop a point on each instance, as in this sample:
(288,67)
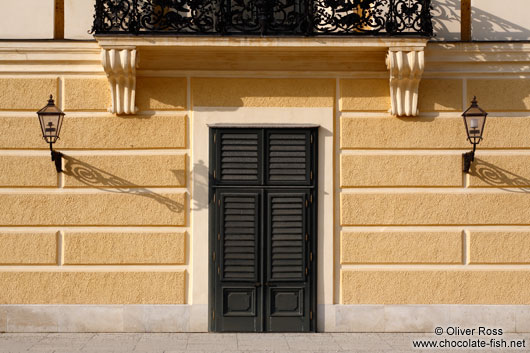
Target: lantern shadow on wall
(500,178)
(98,178)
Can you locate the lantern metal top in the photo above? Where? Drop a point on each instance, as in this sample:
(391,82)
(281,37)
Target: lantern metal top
(50,108)
(474,109)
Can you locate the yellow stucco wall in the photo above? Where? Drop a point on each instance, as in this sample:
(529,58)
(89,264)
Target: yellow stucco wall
(409,226)
(113,227)
(413,228)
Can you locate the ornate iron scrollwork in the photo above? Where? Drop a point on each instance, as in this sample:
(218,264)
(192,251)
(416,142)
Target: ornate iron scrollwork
(264,17)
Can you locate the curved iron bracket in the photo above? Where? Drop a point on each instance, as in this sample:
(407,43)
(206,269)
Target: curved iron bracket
(57,157)
(467,159)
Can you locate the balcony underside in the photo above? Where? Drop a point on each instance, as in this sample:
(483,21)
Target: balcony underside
(325,55)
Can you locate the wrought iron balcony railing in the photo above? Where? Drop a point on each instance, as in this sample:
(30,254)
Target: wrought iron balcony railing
(264,17)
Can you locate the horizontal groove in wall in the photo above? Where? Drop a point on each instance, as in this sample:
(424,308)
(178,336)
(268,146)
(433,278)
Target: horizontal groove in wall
(143,264)
(434,225)
(14,70)
(92,190)
(60,226)
(96,268)
(98,152)
(427,190)
(109,150)
(97,229)
(513,73)
(440,115)
(448,267)
(434,228)
(478,151)
(434,152)
(384,187)
(94,113)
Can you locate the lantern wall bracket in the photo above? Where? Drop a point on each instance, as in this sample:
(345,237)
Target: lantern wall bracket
(467,159)
(406,67)
(119,64)
(57,157)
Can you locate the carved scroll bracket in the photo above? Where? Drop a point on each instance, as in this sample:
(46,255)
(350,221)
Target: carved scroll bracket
(120,66)
(406,66)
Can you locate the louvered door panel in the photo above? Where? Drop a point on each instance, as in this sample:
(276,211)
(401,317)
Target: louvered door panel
(288,288)
(240,159)
(239,236)
(238,297)
(286,236)
(288,157)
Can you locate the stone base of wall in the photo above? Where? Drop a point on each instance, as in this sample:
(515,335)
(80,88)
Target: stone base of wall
(103,318)
(422,318)
(194,318)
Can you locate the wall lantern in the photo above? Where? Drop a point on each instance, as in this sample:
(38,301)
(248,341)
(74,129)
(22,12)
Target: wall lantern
(51,120)
(474,119)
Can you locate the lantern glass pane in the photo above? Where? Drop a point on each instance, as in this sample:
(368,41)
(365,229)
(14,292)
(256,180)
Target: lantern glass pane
(475,126)
(51,120)
(50,126)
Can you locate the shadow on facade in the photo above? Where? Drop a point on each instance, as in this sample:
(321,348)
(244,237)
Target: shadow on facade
(499,177)
(97,178)
(445,13)
(497,27)
(485,24)
(200,186)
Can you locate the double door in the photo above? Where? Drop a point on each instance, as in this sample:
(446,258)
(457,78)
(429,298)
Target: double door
(262,229)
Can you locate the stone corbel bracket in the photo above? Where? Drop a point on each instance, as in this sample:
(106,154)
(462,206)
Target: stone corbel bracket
(120,66)
(406,66)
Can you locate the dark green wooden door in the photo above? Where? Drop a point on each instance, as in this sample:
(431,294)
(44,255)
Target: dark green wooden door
(262,229)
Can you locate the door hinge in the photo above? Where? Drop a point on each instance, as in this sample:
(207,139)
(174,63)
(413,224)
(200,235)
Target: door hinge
(219,270)
(219,203)
(214,137)
(310,256)
(214,256)
(213,315)
(306,271)
(214,173)
(306,237)
(311,138)
(311,315)
(311,198)
(306,203)
(213,198)
(311,175)
(218,236)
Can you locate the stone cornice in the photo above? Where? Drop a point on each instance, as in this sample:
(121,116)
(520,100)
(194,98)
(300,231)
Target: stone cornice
(18,57)
(477,58)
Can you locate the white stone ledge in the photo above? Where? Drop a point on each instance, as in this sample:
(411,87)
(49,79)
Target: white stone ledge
(103,318)
(258,42)
(421,318)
